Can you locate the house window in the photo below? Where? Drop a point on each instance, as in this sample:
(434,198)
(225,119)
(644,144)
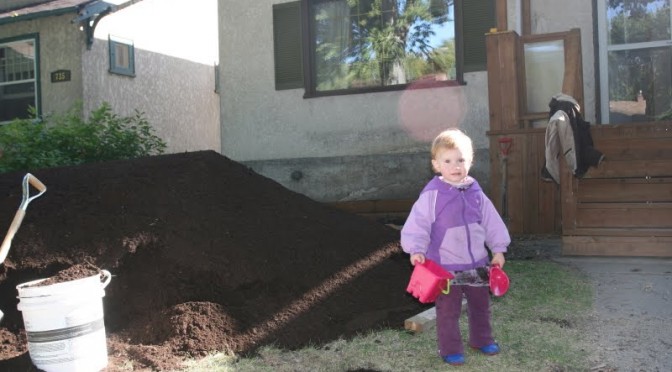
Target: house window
(122,56)
(355,46)
(635,60)
(18,78)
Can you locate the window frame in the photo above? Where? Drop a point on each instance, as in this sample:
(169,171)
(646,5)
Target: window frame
(35,38)
(603,109)
(569,52)
(115,68)
(487,14)
(309,62)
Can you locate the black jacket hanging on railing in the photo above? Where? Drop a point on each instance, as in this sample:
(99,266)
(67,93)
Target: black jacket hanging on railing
(569,135)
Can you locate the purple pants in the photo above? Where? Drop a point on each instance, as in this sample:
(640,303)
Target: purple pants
(448,309)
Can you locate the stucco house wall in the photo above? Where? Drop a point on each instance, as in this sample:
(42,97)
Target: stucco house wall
(60,49)
(350,147)
(174,83)
(177,96)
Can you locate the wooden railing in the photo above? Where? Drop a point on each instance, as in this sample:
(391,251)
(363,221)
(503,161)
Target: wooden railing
(621,208)
(533,204)
(624,206)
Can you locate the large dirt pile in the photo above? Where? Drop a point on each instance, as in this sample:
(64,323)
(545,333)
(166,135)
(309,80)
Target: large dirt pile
(206,255)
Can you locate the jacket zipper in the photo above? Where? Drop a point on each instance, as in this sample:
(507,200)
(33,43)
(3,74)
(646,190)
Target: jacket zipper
(466,226)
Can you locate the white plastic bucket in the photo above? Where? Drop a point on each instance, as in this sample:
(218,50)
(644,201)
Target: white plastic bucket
(64,323)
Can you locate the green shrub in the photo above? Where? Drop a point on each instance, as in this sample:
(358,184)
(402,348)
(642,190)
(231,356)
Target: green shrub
(68,139)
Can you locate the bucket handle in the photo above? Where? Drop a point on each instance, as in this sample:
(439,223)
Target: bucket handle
(447,290)
(106,278)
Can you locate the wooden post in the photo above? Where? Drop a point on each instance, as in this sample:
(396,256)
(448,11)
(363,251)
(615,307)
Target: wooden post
(503,51)
(572,83)
(501,16)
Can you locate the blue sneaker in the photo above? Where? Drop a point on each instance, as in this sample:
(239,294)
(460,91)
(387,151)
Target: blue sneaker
(454,359)
(491,349)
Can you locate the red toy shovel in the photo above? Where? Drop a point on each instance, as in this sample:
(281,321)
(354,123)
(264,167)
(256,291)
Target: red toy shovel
(499,281)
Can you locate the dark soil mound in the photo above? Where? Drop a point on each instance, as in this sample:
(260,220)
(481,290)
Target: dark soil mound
(206,255)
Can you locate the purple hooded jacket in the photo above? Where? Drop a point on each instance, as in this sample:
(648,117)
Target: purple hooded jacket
(453,226)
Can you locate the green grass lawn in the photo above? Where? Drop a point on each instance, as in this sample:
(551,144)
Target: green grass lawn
(539,325)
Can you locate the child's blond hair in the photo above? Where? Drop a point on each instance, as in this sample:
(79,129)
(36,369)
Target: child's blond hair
(454,139)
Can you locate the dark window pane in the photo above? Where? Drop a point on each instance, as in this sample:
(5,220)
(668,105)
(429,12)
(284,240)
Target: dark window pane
(17,79)
(639,85)
(15,100)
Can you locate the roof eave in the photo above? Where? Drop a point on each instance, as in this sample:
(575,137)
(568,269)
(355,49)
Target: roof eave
(38,15)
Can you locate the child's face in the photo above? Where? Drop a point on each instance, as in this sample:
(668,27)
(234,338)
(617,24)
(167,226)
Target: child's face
(451,164)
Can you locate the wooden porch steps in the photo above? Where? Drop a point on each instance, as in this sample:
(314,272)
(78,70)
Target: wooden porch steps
(623,207)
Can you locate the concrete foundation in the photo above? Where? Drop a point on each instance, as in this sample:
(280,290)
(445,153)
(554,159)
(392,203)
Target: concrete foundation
(369,177)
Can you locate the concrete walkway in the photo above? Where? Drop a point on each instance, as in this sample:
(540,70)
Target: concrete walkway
(632,311)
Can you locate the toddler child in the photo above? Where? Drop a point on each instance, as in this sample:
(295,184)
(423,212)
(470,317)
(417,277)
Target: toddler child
(454,224)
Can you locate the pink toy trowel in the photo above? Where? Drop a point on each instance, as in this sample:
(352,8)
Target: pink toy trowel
(499,281)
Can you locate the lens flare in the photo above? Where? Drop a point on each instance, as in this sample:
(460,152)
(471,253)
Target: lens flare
(423,113)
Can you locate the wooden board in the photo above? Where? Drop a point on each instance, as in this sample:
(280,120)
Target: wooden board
(572,83)
(504,81)
(501,15)
(635,148)
(641,232)
(650,246)
(422,322)
(624,215)
(615,168)
(534,205)
(626,190)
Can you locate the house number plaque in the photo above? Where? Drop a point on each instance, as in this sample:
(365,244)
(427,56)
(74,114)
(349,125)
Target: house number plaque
(60,76)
